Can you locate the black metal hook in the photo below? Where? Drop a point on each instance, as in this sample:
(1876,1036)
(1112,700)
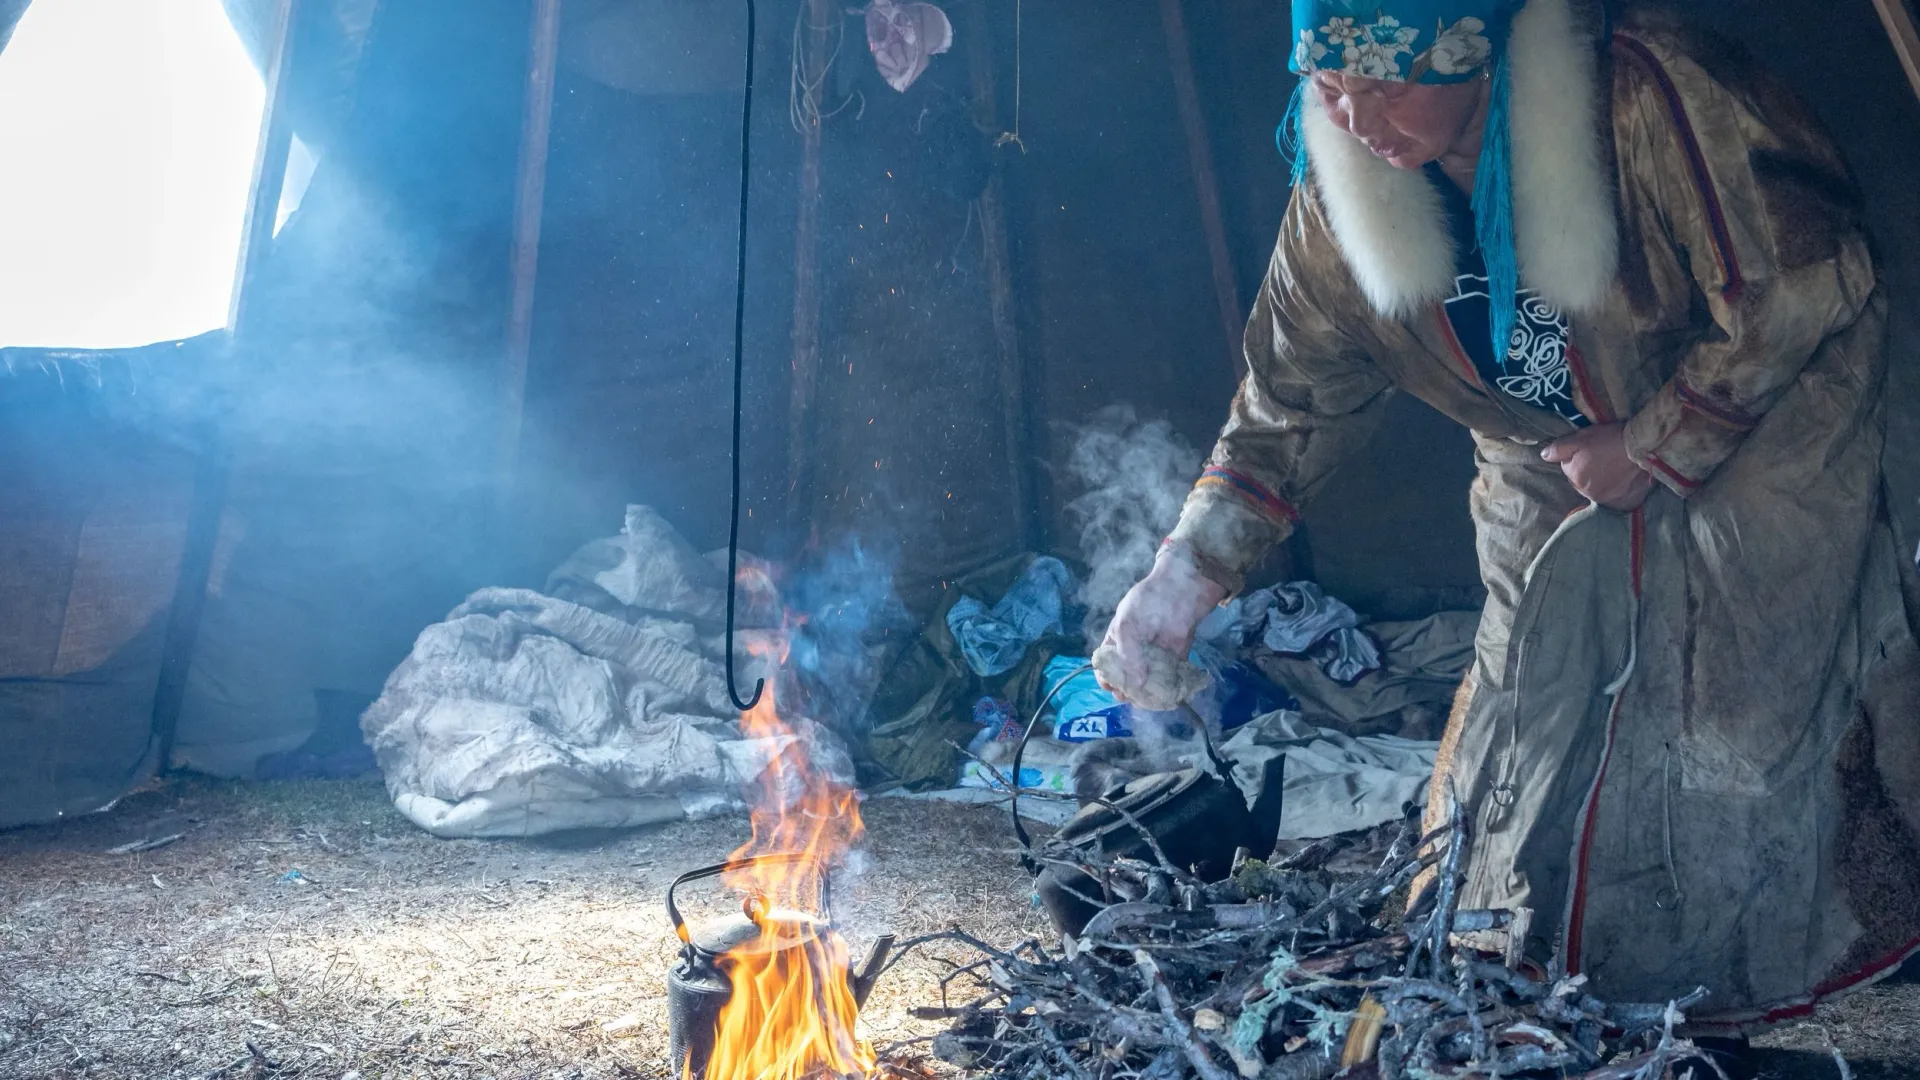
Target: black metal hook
(739,337)
(1020,751)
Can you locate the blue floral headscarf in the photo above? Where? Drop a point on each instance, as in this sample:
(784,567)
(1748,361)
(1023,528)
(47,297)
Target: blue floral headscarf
(1422,41)
(1425,41)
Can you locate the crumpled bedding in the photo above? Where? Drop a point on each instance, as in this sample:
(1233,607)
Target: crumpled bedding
(1335,783)
(1299,618)
(524,713)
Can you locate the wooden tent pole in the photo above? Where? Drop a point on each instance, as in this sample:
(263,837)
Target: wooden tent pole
(1897,17)
(269,166)
(210,473)
(529,198)
(1206,184)
(821,16)
(997,252)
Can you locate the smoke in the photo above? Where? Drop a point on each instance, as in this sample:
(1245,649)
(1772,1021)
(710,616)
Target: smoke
(1136,475)
(838,605)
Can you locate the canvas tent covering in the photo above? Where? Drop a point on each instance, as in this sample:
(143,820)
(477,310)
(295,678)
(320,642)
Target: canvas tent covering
(210,551)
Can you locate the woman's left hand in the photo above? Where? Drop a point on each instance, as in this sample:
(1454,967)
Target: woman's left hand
(1596,463)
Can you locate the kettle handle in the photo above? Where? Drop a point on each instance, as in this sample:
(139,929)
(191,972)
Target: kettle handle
(673,909)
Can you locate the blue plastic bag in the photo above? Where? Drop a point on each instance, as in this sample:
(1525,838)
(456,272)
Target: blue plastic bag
(995,641)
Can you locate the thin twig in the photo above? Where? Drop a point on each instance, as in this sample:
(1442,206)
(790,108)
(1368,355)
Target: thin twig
(144,845)
(1203,1062)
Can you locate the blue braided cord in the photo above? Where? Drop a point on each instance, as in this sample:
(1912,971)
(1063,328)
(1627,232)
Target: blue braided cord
(1493,214)
(1289,136)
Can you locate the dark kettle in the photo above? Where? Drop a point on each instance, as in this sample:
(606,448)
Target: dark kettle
(697,986)
(1199,820)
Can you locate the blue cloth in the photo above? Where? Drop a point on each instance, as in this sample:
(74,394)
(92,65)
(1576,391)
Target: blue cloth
(995,641)
(1083,711)
(1425,41)
(1243,693)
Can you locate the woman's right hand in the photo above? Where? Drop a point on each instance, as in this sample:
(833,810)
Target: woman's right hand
(1143,657)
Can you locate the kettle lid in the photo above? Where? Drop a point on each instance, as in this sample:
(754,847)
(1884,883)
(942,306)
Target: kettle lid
(1137,797)
(778,928)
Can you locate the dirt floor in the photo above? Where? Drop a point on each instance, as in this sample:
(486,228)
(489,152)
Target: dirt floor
(309,922)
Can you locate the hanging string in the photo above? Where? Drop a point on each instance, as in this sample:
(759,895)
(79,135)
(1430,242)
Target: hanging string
(739,339)
(1014,135)
(806,87)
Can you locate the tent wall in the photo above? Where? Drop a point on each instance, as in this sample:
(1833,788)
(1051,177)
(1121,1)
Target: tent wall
(358,418)
(93,525)
(360,434)
(907,443)
(329,41)
(1116,286)
(629,381)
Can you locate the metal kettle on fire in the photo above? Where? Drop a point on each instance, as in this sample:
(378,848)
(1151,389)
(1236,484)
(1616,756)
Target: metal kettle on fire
(698,986)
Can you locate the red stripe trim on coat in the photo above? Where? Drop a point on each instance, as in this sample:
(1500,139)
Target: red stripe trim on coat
(1639,527)
(1672,473)
(1460,357)
(1702,178)
(1575,930)
(1596,408)
(1574,933)
(1806,1004)
(1725,415)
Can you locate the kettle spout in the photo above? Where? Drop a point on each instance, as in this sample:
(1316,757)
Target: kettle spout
(1267,806)
(861,983)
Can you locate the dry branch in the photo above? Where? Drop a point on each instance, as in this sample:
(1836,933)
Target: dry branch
(1258,977)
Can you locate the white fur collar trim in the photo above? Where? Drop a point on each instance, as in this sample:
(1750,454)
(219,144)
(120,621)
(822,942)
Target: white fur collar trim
(1390,223)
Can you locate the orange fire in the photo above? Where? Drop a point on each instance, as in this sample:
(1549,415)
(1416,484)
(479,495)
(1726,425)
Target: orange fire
(792,1012)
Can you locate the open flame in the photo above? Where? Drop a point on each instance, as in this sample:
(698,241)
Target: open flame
(792,1011)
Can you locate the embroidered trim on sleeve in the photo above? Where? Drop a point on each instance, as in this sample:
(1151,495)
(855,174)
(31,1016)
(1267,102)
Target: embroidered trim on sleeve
(1251,492)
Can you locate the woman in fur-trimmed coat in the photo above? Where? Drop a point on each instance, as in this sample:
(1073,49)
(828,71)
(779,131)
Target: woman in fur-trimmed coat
(1690,741)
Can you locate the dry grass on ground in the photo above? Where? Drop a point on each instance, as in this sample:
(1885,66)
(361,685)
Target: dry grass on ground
(395,954)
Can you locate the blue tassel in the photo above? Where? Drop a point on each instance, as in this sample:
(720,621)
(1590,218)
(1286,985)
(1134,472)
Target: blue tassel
(1289,136)
(1493,214)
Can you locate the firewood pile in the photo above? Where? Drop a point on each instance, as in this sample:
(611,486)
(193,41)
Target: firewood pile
(1289,970)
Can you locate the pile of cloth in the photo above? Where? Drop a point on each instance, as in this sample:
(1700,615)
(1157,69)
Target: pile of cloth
(600,701)
(597,702)
(1357,707)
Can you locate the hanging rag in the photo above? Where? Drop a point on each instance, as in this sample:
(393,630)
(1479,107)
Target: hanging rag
(904,39)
